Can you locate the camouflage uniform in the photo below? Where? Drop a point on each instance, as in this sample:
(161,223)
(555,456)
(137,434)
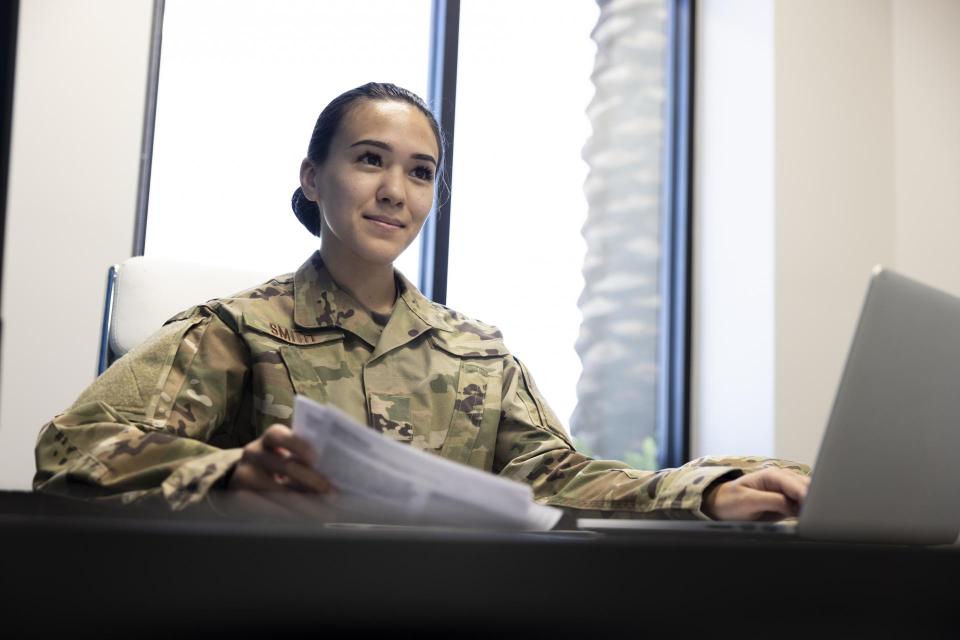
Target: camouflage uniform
(168,420)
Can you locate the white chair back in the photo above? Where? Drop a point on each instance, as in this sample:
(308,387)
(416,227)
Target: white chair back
(142,293)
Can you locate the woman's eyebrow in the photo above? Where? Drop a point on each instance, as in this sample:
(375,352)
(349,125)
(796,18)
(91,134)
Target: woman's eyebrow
(386,147)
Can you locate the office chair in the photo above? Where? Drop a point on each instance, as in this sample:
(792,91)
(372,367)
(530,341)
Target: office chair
(142,293)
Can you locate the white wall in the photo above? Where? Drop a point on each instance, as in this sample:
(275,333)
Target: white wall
(926,45)
(834,197)
(75,153)
(866,152)
(732,355)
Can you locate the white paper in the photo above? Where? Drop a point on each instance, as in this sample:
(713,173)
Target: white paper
(381,480)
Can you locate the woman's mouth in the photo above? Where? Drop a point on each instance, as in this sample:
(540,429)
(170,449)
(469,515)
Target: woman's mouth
(383,222)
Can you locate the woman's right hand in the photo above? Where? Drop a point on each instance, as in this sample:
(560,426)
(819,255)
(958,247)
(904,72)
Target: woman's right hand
(768,494)
(275,475)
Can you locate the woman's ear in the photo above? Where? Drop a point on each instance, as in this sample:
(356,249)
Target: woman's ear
(308,180)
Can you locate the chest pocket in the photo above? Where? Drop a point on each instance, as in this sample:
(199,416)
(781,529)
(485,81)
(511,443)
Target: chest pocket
(471,436)
(324,372)
(272,383)
(305,377)
(390,415)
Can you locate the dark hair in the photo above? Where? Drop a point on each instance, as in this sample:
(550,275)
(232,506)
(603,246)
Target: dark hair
(308,213)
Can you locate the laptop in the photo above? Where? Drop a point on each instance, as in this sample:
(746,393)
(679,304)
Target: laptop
(888,468)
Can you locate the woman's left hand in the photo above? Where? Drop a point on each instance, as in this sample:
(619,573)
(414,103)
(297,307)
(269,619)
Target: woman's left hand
(275,477)
(762,495)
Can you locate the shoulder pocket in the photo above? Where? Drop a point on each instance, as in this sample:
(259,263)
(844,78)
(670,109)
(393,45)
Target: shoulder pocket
(177,361)
(548,418)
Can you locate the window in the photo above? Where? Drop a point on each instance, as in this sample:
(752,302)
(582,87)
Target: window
(516,252)
(240,86)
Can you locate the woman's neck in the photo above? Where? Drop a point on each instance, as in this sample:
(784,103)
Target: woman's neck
(372,285)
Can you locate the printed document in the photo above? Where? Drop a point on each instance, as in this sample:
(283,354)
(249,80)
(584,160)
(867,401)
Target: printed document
(383,481)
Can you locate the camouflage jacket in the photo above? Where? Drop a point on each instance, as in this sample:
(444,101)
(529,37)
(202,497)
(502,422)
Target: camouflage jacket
(168,420)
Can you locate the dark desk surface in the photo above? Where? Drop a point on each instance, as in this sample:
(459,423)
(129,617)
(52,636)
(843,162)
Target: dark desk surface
(80,569)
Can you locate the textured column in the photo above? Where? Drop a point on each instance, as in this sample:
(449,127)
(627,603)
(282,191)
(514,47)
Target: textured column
(616,408)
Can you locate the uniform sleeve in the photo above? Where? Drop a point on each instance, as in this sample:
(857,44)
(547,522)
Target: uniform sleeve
(533,447)
(143,430)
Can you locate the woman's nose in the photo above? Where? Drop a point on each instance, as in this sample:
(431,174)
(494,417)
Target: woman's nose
(391,188)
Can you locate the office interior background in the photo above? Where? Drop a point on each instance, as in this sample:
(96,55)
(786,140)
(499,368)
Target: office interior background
(825,141)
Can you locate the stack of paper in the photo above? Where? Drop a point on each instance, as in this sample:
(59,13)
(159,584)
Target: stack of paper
(379,480)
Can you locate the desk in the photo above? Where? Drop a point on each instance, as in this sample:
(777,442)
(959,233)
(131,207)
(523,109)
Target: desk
(78,569)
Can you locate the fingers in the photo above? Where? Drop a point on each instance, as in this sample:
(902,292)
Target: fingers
(304,477)
(279,461)
(790,484)
(760,504)
(294,458)
(760,495)
(279,436)
(287,472)
(252,476)
(795,486)
(737,502)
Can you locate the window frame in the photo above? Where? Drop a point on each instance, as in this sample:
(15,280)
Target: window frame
(9,23)
(673,416)
(149,128)
(435,235)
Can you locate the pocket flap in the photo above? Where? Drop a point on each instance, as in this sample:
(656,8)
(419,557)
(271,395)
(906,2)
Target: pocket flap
(469,346)
(303,377)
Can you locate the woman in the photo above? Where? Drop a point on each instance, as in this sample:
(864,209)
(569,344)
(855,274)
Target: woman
(205,404)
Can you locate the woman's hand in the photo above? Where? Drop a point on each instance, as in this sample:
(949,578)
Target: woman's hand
(275,475)
(768,494)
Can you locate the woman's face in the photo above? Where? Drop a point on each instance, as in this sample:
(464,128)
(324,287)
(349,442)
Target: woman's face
(375,188)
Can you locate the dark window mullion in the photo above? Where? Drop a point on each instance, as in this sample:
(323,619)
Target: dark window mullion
(9,26)
(435,238)
(674,352)
(149,128)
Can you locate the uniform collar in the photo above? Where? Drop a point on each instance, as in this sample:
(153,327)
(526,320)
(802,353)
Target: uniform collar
(319,303)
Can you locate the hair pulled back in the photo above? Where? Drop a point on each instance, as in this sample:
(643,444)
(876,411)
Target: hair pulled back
(307,211)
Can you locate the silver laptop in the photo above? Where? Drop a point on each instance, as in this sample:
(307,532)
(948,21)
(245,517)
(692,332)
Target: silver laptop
(888,469)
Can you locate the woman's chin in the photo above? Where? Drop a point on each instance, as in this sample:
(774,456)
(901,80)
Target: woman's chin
(381,256)
(381,252)
(365,254)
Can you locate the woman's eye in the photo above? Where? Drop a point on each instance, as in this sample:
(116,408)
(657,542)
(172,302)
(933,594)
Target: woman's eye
(423,172)
(370,158)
